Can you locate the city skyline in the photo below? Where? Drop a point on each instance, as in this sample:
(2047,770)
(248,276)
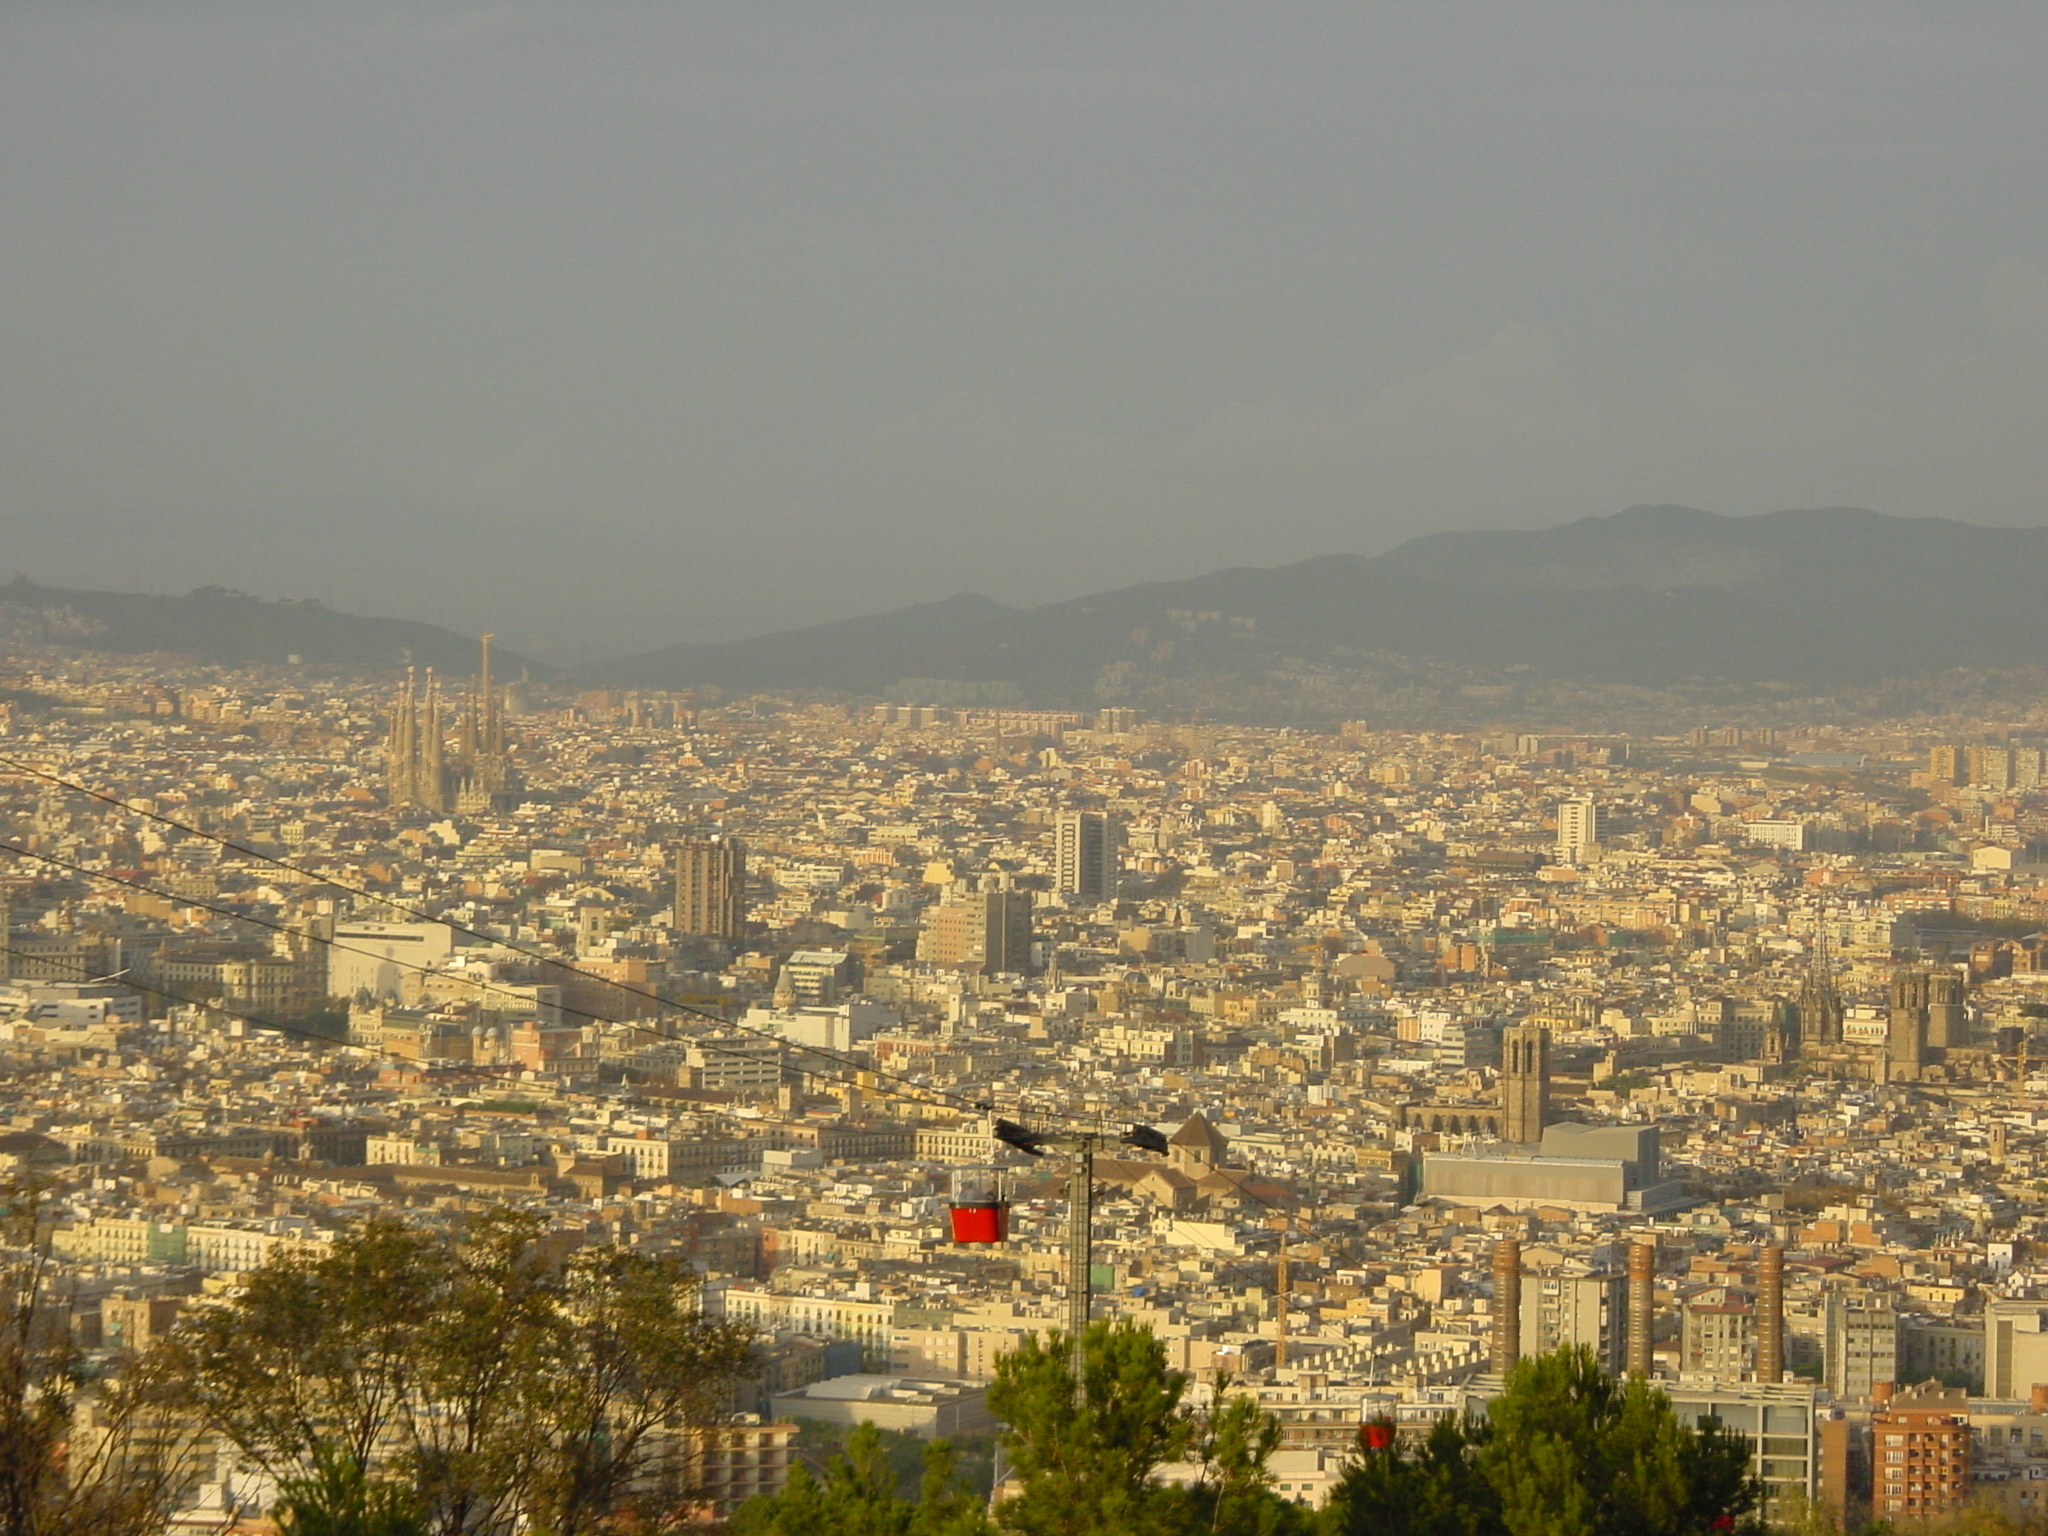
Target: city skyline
(1716,1050)
(1272,770)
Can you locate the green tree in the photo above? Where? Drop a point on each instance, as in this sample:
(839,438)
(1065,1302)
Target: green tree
(507,1380)
(80,1450)
(317,1357)
(1086,1463)
(338,1498)
(1436,1491)
(946,1504)
(859,1497)
(1565,1450)
(1235,1494)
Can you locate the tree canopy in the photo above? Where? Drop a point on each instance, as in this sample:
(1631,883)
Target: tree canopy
(1084,1465)
(503,1380)
(858,1497)
(79,1451)
(1565,1450)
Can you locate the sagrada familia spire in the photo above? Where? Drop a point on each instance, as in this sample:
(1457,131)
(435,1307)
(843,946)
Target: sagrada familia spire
(419,770)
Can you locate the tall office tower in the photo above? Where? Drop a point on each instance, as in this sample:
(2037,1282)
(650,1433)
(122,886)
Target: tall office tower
(1524,1082)
(1947,764)
(1084,854)
(1990,767)
(986,930)
(1507,1305)
(711,888)
(1578,830)
(1862,1345)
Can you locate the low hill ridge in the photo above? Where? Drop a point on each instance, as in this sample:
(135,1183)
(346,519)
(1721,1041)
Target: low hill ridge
(227,628)
(1653,597)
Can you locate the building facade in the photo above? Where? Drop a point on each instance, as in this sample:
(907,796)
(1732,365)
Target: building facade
(1524,1082)
(711,888)
(1084,855)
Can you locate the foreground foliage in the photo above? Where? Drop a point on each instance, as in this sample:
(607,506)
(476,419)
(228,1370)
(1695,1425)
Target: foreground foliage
(503,1383)
(1566,1450)
(858,1497)
(338,1498)
(1086,1467)
(76,1453)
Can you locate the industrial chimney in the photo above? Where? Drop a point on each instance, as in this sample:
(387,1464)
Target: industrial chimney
(1642,1305)
(1507,1305)
(1770,1314)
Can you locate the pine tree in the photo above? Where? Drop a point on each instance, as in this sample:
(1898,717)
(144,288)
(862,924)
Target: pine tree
(1235,1495)
(859,1497)
(338,1498)
(946,1505)
(1086,1466)
(1565,1450)
(1437,1491)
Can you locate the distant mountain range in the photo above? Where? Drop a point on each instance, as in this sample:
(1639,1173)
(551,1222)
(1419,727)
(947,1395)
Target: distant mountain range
(1654,597)
(228,628)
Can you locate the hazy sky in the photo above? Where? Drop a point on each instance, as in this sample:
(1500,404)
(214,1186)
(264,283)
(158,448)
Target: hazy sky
(606,325)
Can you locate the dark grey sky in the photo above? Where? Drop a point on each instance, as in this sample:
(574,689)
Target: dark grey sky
(605,325)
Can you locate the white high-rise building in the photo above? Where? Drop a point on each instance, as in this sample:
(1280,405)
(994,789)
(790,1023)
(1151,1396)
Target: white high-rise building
(1578,830)
(1084,854)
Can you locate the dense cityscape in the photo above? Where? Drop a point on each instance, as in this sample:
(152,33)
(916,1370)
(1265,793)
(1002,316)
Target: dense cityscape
(1712,1052)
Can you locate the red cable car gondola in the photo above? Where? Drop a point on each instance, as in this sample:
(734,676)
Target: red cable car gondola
(979,1206)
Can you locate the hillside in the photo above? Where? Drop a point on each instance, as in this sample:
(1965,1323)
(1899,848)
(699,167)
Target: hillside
(1654,597)
(846,655)
(228,629)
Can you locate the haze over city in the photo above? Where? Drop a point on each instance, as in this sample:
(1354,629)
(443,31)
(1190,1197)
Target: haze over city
(683,323)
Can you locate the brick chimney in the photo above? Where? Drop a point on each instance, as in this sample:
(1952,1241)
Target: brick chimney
(1507,1305)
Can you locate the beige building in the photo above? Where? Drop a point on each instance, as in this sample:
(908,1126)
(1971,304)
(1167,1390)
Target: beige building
(928,1408)
(985,931)
(1717,1336)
